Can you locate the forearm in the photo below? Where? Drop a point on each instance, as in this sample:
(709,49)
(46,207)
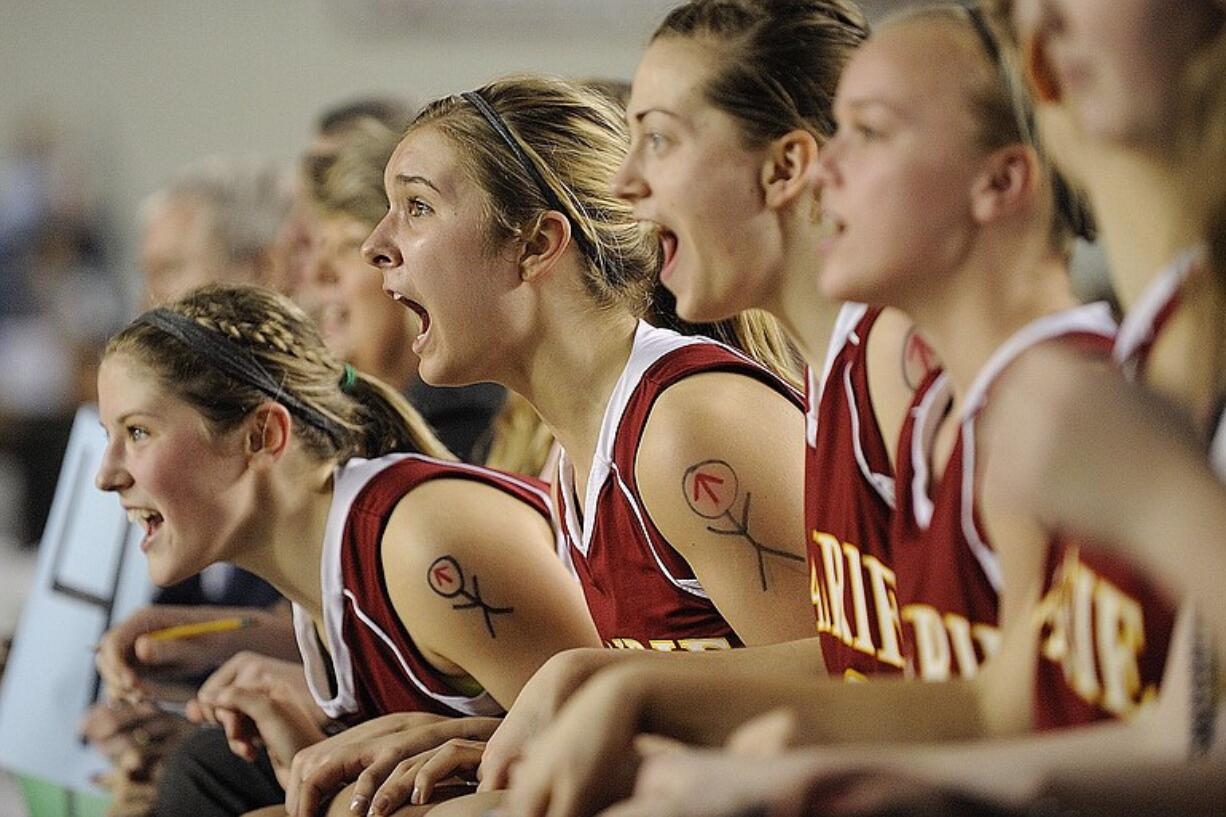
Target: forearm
(692,704)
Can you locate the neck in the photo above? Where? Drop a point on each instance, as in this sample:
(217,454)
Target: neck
(568,371)
(286,540)
(1147,213)
(804,313)
(396,366)
(996,292)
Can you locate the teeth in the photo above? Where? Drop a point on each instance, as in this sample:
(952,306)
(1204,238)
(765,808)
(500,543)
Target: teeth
(143,516)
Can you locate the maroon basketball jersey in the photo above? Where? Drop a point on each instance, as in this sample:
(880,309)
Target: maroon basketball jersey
(849,497)
(640,592)
(949,573)
(1106,627)
(374,667)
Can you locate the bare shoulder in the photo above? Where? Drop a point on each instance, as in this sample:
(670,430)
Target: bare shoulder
(460,517)
(718,406)
(898,359)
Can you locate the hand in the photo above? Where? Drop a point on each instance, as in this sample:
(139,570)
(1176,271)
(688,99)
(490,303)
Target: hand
(251,670)
(413,780)
(585,760)
(129,797)
(704,783)
(534,709)
(131,663)
(266,717)
(318,772)
(133,736)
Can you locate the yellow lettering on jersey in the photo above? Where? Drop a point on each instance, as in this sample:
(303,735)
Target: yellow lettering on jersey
(843,568)
(859,604)
(959,630)
(832,563)
(671,645)
(945,639)
(931,643)
(1096,633)
(817,595)
(1121,637)
(889,622)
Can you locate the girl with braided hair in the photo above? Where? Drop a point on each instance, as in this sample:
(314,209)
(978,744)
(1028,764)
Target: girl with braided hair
(419,584)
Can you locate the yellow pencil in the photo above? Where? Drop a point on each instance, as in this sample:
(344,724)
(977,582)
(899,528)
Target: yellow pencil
(220,625)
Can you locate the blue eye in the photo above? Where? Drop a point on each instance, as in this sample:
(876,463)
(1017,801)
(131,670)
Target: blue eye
(417,207)
(137,433)
(655,141)
(866,133)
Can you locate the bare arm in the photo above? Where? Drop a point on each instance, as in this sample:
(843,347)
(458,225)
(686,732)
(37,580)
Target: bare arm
(472,578)
(721,472)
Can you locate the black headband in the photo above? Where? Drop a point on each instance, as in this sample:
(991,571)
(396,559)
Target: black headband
(238,363)
(496,122)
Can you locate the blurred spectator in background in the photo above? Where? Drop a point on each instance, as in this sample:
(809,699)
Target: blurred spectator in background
(217,221)
(58,304)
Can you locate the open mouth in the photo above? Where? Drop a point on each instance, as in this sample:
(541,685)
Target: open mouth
(668,245)
(151,521)
(422,314)
(832,227)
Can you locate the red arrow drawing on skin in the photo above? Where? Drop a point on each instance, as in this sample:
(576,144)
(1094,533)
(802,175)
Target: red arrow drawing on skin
(441,576)
(703,482)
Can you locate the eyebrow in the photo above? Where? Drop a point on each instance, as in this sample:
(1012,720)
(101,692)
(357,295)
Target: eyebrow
(638,117)
(129,415)
(403,178)
(861,104)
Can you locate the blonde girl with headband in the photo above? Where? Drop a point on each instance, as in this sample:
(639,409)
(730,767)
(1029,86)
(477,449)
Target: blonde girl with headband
(679,488)
(419,584)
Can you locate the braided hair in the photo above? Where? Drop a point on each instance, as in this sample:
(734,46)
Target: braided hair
(227,349)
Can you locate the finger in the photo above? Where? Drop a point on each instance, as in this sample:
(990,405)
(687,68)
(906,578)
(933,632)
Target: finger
(396,790)
(319,781)
(764,735)
(457,757)
(648,745)
(370,780)
(240,732)
(494,771)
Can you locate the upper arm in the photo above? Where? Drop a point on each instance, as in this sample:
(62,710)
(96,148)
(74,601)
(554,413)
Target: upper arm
(473,575)
(721,472)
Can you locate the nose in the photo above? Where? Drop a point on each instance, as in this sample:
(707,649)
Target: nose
(112,476)
(379,250)
(628,183)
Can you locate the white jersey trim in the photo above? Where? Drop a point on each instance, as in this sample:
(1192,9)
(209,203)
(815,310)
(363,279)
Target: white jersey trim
(1217,449)
(926,422)
(850,315)
(1091,318)
(1138,328)
(347,482)
(650,344)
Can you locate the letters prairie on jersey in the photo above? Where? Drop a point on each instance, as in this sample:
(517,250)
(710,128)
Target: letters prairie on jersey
(90,575)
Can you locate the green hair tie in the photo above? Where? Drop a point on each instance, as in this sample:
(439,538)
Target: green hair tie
(348,378)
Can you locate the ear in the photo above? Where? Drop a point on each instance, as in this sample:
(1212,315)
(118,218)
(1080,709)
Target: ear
(267,434)
(1006,184)
(789,168)
(544,245)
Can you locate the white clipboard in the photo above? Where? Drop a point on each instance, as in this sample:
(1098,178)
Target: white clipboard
(90,576)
